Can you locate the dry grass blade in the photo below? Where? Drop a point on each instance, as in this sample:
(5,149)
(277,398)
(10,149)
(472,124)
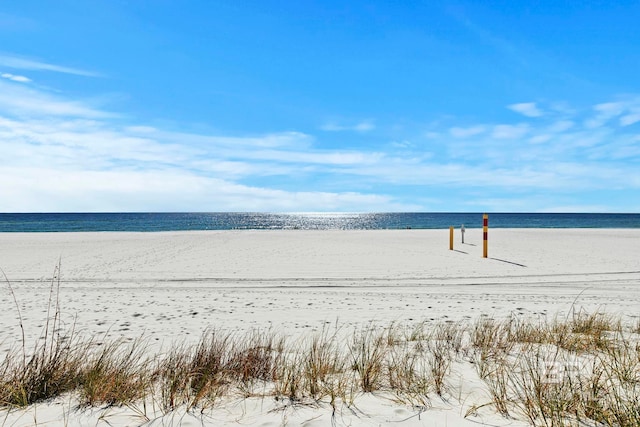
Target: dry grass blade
(55,364)
(52,370)
(117,374)
(322,361)
(368,348)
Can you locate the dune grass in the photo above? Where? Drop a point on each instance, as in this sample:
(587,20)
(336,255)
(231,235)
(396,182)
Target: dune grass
(565,371)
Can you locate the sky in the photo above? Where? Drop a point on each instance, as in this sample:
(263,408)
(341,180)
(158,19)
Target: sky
(319,106)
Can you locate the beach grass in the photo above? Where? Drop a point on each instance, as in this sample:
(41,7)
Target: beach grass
(584,367)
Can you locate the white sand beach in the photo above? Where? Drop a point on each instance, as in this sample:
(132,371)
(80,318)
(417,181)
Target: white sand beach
(172,286)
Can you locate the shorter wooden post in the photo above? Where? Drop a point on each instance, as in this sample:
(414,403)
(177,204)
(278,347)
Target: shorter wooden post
(451,238)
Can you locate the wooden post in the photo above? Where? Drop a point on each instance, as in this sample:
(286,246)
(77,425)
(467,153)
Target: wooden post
(485,232)
(451,238)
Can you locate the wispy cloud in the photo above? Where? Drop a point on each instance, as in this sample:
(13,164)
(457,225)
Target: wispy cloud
(604,113)
(165,190)
(561,126)
(20,99)
(460,132)
(528,109)
(15,78)
(67,154)
(631,118)
(510,131)
(20,63)
(363,126)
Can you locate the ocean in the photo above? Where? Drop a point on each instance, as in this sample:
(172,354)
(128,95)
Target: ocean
(147,222)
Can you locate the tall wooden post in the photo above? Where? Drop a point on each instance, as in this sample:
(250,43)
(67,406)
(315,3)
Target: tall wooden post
(485,232)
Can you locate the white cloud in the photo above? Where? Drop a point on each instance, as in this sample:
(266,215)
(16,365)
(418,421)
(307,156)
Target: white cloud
(459,132)
(404,144)
(562,108)
(528,109)
(65,154)
(164,191)
(281,139)
(561,126)
(630,119)
(15,78)
(610,109)
(432,135)
(605,112)
(363,126)
(23,100)
(539,139)
(510,131)
(20,63)
(593,123)
(141,129)
(327,158)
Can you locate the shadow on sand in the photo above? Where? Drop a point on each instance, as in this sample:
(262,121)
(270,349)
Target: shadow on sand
(508,262)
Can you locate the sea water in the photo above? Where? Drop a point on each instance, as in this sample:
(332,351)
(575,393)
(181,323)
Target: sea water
(145,222)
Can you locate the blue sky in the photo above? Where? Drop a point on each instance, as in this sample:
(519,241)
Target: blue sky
(163,105)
